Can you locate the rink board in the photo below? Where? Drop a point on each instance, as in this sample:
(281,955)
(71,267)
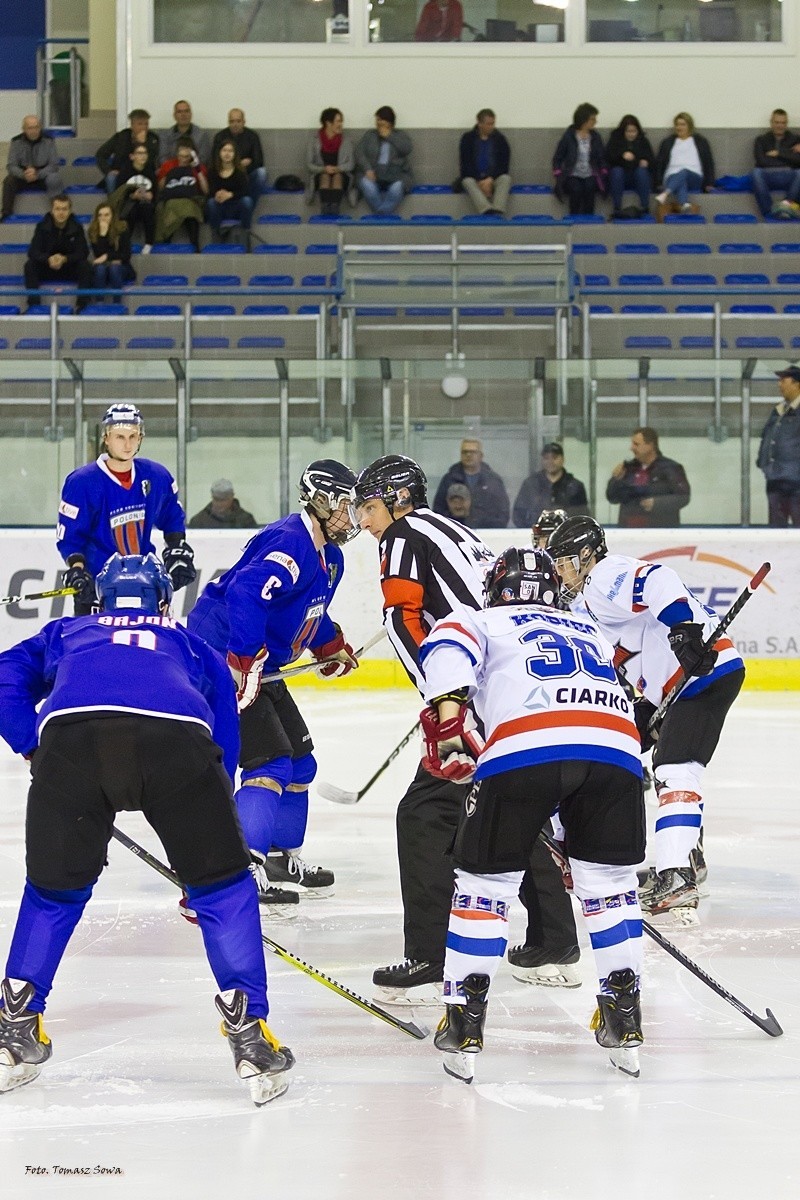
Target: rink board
(715,563)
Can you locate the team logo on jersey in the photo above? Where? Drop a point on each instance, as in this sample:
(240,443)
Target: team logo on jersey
(146,485)
(472,800)
(538,699)
(124,518)
(68,510)
(286,561)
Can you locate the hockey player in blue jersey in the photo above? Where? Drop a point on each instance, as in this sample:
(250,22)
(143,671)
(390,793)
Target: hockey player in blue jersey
(111,506)
(263,613)
(138,715)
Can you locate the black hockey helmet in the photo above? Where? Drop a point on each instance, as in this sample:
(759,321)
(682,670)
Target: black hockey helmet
(324,484)
(548,520)
(580,540)
(522,575)
(385,477)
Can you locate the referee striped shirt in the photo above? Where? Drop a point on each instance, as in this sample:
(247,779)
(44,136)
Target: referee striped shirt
(430,565)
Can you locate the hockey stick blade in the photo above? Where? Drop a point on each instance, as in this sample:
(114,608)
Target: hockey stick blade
(769,1024)
(408,1027)
(301,669)
(341,796)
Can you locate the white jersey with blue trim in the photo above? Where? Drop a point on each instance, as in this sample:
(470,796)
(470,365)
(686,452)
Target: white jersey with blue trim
(542,682)
(635,603)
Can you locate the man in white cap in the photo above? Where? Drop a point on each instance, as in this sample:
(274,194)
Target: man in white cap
(223,510)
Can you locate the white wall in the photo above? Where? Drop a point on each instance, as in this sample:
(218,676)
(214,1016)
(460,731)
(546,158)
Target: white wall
(725,86)
(15,106)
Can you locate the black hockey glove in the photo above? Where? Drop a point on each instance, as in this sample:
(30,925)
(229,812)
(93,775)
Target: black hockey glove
(76,576)
(642,712)
(686,643)
(179,565)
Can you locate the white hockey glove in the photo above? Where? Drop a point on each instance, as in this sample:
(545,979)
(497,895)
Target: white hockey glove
(452,747)
(246,670)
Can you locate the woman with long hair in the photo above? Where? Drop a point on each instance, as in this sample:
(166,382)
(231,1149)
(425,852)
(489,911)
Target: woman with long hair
(331,159)
(110,243)
(228,190)
(579,163)
(630,160)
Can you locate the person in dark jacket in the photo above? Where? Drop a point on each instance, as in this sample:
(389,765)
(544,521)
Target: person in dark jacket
(490,506)
(484,161)
(630,160)
(684,164)
(116,152)
(134,199)
(579,163)
(777,169)
(58,252)
(223,510)
(248,147)
(779,452)
(383,160)
(552,487)
(33,162)
(650,489)
(228,190)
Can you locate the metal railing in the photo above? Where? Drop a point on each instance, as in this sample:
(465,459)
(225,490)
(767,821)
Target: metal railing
(50,93)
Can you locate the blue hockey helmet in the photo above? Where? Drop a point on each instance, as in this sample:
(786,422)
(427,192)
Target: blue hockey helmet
(136,582)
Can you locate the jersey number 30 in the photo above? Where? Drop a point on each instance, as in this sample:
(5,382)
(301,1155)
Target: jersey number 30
(557,656)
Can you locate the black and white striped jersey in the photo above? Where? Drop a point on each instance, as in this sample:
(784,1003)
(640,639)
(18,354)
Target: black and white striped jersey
(430,565)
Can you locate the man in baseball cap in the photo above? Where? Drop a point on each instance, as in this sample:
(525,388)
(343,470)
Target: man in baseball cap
(550,487)
(779,452)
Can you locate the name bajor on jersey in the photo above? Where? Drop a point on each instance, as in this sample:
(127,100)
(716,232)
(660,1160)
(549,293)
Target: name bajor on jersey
(127,517)
(133,622)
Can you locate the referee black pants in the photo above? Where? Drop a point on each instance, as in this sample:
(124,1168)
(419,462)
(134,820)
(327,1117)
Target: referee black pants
(427,820)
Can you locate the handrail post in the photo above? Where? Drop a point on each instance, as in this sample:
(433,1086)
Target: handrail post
(182,422)
(592,431)
(283,452)
(535,413)
(77,378)
(748,367)
(644,390)
(386,404)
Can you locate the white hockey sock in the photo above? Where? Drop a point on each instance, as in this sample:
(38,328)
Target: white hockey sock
(613,917)
(680,813)
(477,935)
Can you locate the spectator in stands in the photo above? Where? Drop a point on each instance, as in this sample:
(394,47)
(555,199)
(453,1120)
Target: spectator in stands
(630,161)
(32,163)
(489,504)
(185,127)
(459,503)
(134,199)
(383,158)
(58,252)
(229,196)
(684,164)
(183,187)
(779,452)
(650,489)
(579,163)
(331,159)
(248,147)
(551,487)
(110,243)
(485,159)
(777,169)
(114,154)
(440,21)
(223,511)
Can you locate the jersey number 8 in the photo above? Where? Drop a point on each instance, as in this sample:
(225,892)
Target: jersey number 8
(559,657)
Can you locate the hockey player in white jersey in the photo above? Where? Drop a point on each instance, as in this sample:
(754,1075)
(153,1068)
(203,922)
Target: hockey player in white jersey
(658,629)
(559,734)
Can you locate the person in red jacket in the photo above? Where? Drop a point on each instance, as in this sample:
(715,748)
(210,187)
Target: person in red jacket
(440,21)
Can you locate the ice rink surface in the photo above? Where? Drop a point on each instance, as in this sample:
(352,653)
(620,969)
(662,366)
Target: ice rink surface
(141,1080)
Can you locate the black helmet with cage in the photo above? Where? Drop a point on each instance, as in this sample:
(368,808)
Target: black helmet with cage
(522,575)
(324,484)
(575,546)
(387,476)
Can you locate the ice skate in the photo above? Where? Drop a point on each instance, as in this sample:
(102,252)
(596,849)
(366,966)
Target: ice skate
(261,1061)
(672,896)
(460,1031)
(697,861)
(410,982)
(24,1045)
(281,902)
(545,968)
(287,869)
(617,1022)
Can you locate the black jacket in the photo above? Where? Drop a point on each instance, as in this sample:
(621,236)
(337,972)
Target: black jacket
(768,141)
(779,452)
(617,145)
(121,253)
(666,484)
(490,505)
(48,239)
(566,156)
(116,152)
(703,150)
(469,149)
(236,518)
(537,493)
(247,143)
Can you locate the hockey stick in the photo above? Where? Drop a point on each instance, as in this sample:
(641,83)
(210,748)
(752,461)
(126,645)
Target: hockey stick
(312,666)
(769,1024)
(341,796)
(408,1027)
(730,616)
(39,596)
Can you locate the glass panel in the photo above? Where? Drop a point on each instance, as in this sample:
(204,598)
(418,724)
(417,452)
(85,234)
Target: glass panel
(466,20)
(251,21)
(683,21)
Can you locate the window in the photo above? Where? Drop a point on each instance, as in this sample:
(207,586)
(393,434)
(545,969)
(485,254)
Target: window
(251,21)
(683,21)
(466,20)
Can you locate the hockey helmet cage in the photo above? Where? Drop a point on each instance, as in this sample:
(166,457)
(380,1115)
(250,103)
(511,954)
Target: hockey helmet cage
(323,485)
(133,582)
(523,575)
(548,520)
(386,476)
(123,414)
(581,541)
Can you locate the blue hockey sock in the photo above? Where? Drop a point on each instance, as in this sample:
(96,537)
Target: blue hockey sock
(292,817)
(258,801)
(228,916)
(44,926)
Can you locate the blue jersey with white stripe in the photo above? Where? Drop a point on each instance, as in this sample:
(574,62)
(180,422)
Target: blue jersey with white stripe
(130,663)
(275,596)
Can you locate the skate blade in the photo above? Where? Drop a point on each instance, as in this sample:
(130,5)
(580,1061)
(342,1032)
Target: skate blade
(675,919)
(551,975)
(625,1059)
(459,1066)
(14,1075)
(307,893)
(427,995)
(264,1088)
(278,912)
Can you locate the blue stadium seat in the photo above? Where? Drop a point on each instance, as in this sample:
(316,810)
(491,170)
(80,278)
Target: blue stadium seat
(693,280)
(753,279)
(752,308)
(531,189)
(481,310)
(172,248)
(223,248)
(204,342)
(14,248)
(600,308)
(485,218)
(646,341)
(643,308)
(158,310)
(218,281)
(785,247)
(735,219)
(788,280)
(3,343)
(84,189)
(700,341)
(791,308)
(694,308)
(33,343)
(740,248)
(275,248)
(636,248)
(589,248)
(265,310)
(23,219)
(43,310)
(105,310)
(9,310)
(312,310)
(596,280)
(280,219)
(535,310)
(321,248)
(759,343)
(151,343)
(369,311)
(214,310)
(270,281)
(684,219)
(432,189)
(95,343)
(170,281)
(317,281)
(432,219)
(426,310)
(641,281)
(534,219)
(84,160)
(323,219)
(585,219)
(381,219)
(261,343)
(688,248)
(12,281)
